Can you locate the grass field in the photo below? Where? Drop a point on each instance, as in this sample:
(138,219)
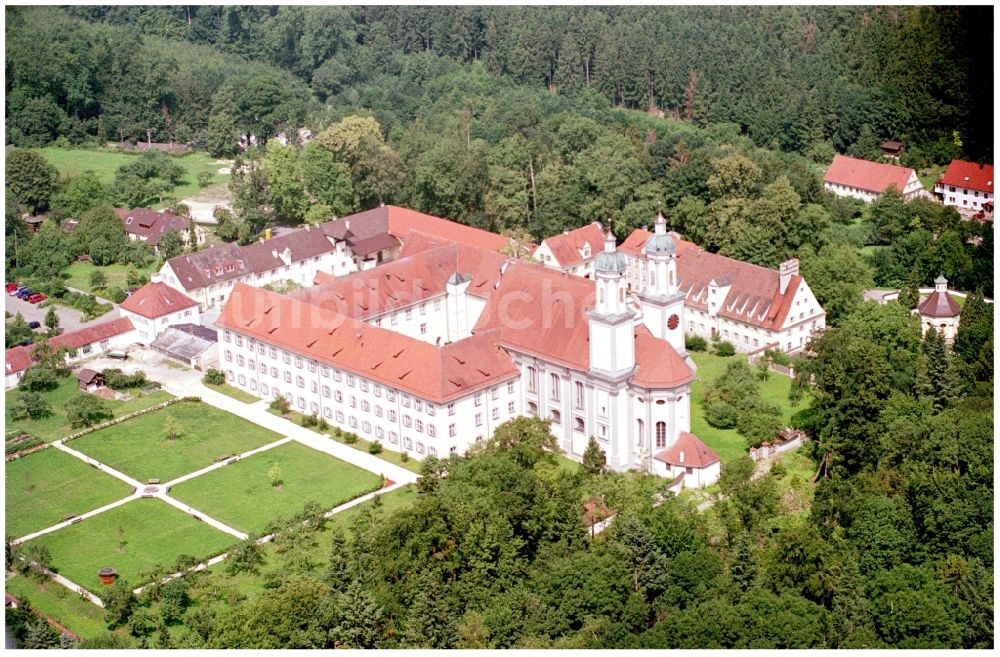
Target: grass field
(79,275)
(152,533)
(140,449)
(241,494)
(79,616)
(235,393)
(104,162)
(56,426)
(727,442)
(44,487)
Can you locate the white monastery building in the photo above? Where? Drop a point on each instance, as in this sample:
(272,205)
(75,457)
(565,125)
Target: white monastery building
(753,307)
(966,186)
(573,251)
(865,180)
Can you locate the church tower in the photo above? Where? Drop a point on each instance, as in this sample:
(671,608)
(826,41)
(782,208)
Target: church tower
(661,300)
(612,333)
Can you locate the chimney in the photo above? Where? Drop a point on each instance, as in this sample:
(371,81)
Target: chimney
(347,224)
(681,458)
(156,278)
(786,270)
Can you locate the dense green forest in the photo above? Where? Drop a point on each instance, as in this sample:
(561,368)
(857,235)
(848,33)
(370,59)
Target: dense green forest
(793,77)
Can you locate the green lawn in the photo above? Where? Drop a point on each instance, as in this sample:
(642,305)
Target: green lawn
(235,393)
(104,163)
(140,449)
(153,533)
(56,426)
(79,275)
(44,487)
(727,442)
(79,616)
(241,494)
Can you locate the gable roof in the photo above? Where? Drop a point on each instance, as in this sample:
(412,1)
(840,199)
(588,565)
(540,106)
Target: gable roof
(93,333)
(151,224)
(689,452)
(754,295)
(156,299)
(869,176)
(17,359)
(939,304)
(566,248)
(542,312)
(402,220)
(87,376)
(434,373)
(969,175)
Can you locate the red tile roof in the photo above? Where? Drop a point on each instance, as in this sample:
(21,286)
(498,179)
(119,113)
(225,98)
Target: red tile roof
(566,247)
(870,176)
(91,334)
(17,359)
(421,272)
(151,224)
(154,300)
(939,304)
(754,292)
(403,220)
(434,373)
(969,175)
(696,454)
(541,311)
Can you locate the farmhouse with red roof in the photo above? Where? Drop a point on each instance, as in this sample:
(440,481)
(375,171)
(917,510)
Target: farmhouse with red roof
(573,251)
(966,186)
(149,226)
(156,306)
(865,180)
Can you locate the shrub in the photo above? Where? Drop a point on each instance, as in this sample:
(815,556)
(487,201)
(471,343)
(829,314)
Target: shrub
(349,437)
(323,425)
(721,415)
(695,343)
(214,377)
(725,349)
(404,457)
(778,470)
(309,420)
(87,410)
(115,379)
(280,405)
(28,405)
(37,378)
(116,294)
(375,448)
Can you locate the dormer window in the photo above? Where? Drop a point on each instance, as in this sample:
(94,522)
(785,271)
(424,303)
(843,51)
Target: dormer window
(586,250)
(128,221)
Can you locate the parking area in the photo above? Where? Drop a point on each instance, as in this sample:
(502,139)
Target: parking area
(70,319)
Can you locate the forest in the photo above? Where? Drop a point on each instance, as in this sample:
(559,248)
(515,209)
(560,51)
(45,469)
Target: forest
(529,122)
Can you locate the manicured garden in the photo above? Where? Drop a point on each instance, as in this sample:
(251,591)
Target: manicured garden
(728,443)
(58,603)
(44,487)
(131,538)
(56,426)
(141,448)
(243,496)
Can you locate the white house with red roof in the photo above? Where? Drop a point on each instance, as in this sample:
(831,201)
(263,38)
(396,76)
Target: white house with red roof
(509,338)
(156,306)
(149,226)
(573,251)
(752,307)
(967,186)
(689,457)
(866,180)
(16,361)
(940,311)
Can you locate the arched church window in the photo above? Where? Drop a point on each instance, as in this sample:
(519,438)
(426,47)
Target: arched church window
(661,434)
(641,429)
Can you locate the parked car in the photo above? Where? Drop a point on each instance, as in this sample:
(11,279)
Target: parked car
(34,325)
(12,287)
(17,290)
(129,292)
(24,293)
(36,297)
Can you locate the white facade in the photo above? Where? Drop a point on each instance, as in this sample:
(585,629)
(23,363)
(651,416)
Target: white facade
(11,380)
(114,343)
(963,198)
(373,410)
(585,268)
(693,477)
(147,329)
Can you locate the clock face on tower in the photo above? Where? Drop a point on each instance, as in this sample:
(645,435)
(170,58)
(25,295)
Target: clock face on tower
(673,321)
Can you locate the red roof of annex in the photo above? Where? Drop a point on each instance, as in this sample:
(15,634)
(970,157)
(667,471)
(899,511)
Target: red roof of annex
(866,175)
(157,299)
(969,175)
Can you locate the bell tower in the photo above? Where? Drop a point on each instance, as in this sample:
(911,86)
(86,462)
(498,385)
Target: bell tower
(661,299)
(610,322)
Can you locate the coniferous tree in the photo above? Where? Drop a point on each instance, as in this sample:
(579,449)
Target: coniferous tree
(432,623)
(360,619)
(594,459)
(909,294)
(974,328)
(338,574)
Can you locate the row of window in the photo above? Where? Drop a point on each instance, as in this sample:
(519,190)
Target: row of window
(408,314)
(555,387)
